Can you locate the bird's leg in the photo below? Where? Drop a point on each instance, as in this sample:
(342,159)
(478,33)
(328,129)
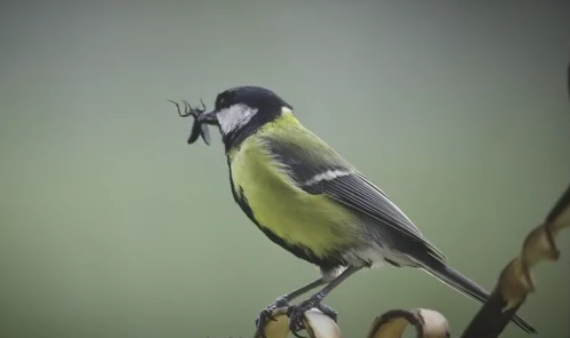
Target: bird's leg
(296,312)
(283,301)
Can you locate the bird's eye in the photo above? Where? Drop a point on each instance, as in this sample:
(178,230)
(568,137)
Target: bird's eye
(223,100)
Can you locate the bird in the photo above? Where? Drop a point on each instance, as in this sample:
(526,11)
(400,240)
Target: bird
(308,199)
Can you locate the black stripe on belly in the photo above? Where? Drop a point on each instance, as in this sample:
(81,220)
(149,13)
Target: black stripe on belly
(326,263)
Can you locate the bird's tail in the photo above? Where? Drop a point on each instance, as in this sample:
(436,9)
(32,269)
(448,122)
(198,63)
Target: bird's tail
(457,281)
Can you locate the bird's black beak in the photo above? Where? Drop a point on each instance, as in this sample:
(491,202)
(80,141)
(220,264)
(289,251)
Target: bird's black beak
(208,118)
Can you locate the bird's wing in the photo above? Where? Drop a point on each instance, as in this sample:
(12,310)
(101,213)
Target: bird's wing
(318,169)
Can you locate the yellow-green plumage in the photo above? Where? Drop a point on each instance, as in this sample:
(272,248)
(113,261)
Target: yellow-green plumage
(314,221)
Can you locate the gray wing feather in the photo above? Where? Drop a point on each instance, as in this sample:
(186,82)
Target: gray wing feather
(353,190)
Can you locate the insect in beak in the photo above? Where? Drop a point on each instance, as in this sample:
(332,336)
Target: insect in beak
(201,120)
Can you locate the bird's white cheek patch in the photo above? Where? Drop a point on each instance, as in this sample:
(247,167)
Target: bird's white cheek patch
(235,117)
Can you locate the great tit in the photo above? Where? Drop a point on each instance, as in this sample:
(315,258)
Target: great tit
(308,199)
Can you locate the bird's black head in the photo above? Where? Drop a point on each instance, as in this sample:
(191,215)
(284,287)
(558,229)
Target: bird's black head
(240,111)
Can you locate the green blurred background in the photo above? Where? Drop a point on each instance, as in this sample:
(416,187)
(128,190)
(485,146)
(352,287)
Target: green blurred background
(112,226)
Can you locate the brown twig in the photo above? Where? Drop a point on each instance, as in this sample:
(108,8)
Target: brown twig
(318,325)
(515,281)
(428,324)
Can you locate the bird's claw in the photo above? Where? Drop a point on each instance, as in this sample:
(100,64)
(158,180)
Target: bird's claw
(296,313)
(267,314)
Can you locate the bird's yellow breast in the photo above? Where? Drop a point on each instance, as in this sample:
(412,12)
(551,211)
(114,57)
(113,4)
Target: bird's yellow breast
(277,204)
